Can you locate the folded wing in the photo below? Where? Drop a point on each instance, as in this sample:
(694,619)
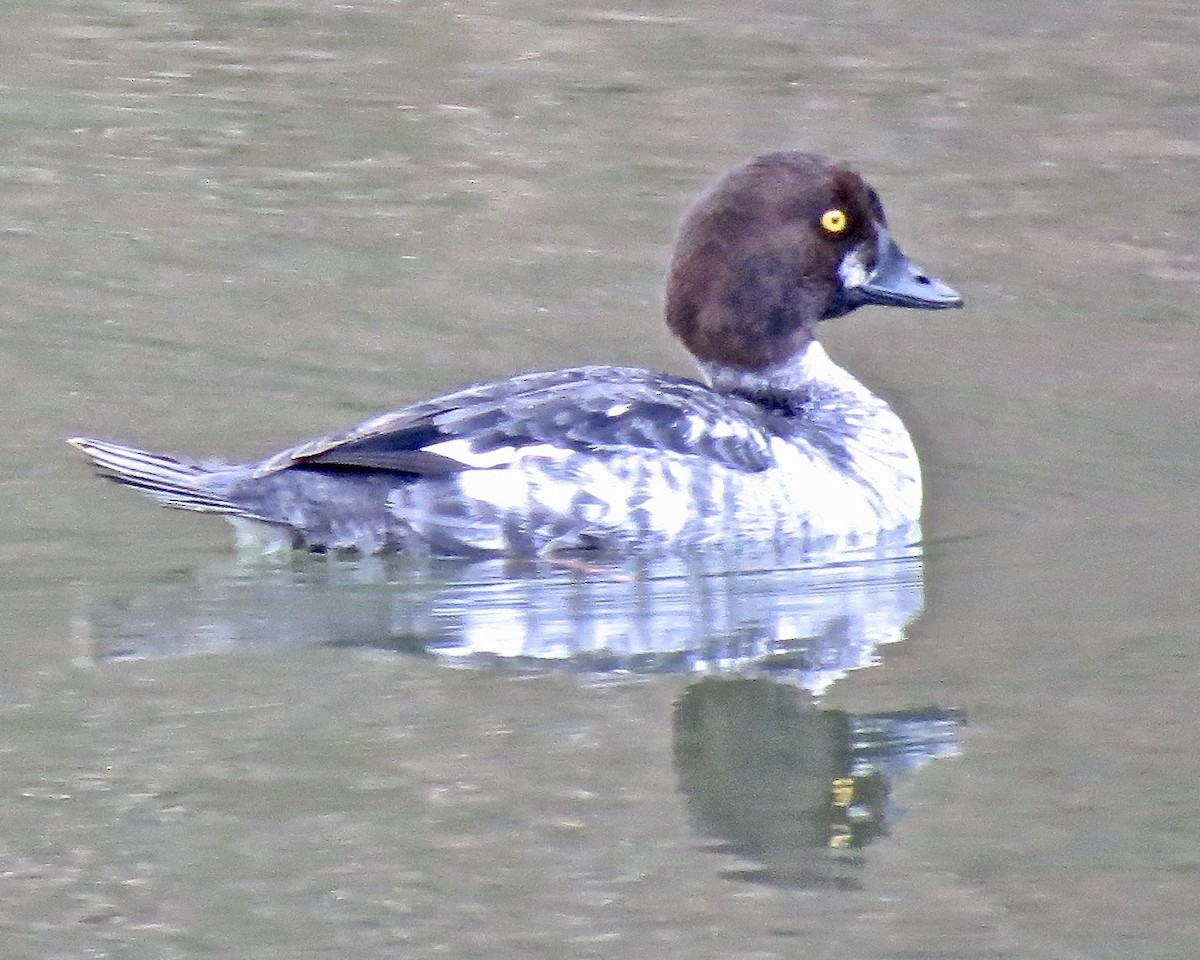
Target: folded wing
(593,409)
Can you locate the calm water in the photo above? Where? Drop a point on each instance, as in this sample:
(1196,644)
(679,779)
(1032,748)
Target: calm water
(229,226)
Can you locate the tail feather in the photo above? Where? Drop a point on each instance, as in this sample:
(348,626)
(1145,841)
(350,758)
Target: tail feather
(169,481)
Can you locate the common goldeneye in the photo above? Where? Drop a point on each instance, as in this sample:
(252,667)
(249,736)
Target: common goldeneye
(780,444)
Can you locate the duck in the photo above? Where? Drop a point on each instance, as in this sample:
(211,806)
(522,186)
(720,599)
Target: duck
(773,443)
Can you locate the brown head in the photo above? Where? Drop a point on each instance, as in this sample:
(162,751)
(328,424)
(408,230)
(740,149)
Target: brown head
(776,245)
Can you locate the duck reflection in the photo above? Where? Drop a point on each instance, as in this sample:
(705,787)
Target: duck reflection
(762,613)
(799,792)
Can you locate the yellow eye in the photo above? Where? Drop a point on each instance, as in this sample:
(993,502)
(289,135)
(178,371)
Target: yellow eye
(834,221)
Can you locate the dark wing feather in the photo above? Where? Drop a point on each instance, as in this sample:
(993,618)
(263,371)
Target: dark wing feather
(597,409)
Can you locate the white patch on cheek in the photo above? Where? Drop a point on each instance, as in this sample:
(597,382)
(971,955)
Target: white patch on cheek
(852,271)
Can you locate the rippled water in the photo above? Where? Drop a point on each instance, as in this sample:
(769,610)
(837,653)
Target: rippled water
(226,227)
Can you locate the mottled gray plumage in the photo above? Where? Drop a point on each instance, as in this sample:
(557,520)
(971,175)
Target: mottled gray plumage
(595,409)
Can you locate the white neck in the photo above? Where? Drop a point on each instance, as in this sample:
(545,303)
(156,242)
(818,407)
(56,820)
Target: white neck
(811,367)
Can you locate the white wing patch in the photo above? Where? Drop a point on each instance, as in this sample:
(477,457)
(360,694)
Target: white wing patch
(697,427)
(726,428)
(462,451)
